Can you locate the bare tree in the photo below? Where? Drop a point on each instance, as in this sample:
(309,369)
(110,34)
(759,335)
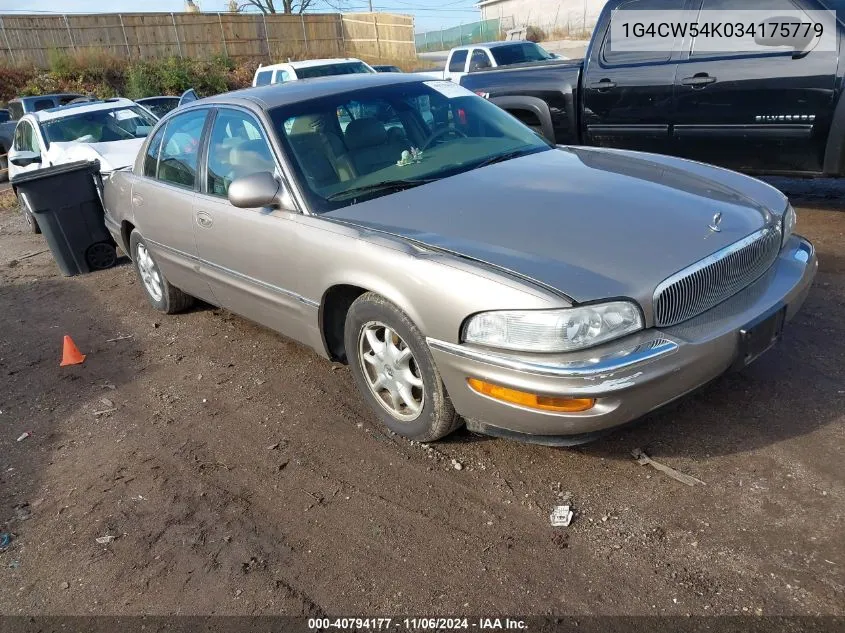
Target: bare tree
(288,6)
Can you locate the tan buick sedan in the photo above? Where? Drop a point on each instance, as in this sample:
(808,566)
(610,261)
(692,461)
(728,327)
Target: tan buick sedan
(464,268)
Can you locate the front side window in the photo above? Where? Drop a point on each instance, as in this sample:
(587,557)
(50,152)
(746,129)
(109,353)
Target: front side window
(178,158)
(100,126)
(363,144)
(458,62)
(618,58)
(327,70)
(237,148)
(25,140)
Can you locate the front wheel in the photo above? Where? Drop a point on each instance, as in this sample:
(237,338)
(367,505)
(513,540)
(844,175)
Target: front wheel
(29,216)
(395,372)
(161,295)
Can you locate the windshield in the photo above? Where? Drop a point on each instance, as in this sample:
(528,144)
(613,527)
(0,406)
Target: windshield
(345,68)
(363,144)
(519,53)
(100,126)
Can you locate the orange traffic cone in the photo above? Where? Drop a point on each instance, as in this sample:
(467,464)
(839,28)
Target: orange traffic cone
(70,353)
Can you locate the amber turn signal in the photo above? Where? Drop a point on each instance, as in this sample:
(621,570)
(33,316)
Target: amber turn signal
(531,400)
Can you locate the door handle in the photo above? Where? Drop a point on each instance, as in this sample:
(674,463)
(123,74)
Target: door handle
(698,81)
(204,220)
(604,84)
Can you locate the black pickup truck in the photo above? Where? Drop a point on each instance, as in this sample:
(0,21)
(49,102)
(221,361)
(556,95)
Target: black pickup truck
(773,111)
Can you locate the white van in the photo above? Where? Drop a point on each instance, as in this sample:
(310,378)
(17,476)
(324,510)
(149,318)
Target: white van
(291,71)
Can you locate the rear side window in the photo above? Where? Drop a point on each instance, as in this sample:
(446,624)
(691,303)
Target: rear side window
(458,61)
(178,159)
(327,70)
(282,76)
(263,78)
(42,104)
(151,156)
(479,60)
(618,58)
(15,110)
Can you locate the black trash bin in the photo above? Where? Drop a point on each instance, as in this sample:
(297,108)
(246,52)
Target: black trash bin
(67,203)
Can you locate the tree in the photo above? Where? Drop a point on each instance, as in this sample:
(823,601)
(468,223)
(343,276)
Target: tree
(287,6)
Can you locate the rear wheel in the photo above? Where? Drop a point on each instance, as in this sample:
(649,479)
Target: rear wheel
(161,295)
(395,372)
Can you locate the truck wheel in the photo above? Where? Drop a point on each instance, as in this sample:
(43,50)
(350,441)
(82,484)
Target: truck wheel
(395,372)
(161,295)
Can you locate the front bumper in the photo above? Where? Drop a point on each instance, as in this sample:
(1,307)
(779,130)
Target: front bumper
(628,377)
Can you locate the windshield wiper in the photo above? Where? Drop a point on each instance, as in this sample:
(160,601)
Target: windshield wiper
(501,158)
(387,185)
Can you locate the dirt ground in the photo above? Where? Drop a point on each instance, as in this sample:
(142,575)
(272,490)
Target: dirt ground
(241,474)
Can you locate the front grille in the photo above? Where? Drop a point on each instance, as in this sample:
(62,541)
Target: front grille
(716,278)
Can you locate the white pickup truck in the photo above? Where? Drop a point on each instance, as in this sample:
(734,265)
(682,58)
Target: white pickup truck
(466,59)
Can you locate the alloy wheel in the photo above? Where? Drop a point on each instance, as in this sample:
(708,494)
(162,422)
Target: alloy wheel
(391,371)
(149,273)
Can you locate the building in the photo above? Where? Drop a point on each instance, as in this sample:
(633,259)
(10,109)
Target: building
(565,16)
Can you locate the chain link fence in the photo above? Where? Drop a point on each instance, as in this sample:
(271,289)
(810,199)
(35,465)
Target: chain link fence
(472,33)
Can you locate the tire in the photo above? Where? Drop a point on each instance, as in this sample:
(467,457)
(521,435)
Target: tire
(101,256)
(4,165)
(28,215)
(368,322)
(160,293)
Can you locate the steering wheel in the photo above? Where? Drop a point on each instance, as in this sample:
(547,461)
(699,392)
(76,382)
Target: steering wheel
(441,132)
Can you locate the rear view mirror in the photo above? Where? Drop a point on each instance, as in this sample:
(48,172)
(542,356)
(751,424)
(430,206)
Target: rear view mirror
(25,159)
(782,31)
(261,189)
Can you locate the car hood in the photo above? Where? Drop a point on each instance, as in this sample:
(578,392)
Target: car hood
(112,155)
(589,223)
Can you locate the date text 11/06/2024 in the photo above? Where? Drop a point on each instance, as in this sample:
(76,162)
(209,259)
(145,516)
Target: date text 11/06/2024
(417,624)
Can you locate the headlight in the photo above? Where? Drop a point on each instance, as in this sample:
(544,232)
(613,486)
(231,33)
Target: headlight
(789,222)
(561,330)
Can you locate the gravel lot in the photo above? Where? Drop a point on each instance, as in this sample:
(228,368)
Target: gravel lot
(241,474)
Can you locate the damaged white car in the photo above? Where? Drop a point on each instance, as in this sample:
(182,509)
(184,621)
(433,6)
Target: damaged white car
(110,131)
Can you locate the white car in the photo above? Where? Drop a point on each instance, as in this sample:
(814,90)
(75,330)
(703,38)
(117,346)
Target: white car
(466,59)
(291,71)
(110,131)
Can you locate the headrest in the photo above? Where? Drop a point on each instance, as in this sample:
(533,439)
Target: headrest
(367,132)
(308,124)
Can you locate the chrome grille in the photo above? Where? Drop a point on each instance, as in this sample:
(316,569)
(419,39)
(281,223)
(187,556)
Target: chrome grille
(714,279)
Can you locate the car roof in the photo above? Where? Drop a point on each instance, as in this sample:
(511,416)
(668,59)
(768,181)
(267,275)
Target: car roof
(492,44)
(53,95)
(143,99)
(75,108)
(276,95)
(309,63)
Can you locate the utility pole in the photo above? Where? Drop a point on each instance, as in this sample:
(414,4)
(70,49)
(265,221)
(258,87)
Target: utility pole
(371,6)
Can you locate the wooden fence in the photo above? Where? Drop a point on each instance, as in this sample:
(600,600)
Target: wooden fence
(30,38)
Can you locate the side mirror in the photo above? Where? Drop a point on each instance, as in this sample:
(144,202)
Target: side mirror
(261,189)
(188,96)
(25,159)
(778,31)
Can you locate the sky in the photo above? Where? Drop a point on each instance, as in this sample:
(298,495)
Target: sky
(428,14)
